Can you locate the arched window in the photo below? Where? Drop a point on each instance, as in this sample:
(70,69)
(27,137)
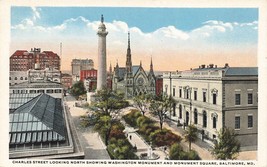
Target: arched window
(180,111)
(16,78)
(21,78)
(195,116)
(204,119)
(9,78)
(26,78)
(214,120)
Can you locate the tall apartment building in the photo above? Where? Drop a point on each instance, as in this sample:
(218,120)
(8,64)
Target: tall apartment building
(23,60)
(212,98)
(81,64)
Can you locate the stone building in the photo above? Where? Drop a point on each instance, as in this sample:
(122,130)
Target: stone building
(22,60)
(215,97)
(133,79)
(81,64)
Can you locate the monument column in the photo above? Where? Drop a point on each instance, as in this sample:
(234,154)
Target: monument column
(102,64)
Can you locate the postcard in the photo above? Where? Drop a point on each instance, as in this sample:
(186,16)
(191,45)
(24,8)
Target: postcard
(118,83)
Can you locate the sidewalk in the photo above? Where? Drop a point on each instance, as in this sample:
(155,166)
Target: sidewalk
(200,147)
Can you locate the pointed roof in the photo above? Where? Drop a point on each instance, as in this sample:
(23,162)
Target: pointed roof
(42,116)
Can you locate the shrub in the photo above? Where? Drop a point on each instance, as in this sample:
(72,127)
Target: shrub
(175,152)
(192,155)
(142,120)
(164,138)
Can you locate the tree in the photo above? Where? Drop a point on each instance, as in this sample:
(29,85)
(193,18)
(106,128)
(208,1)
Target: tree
(140,102)
(103,126)
(109,104)
(78,89)
(175,152)
(160,106)
(190,135)
(227,146)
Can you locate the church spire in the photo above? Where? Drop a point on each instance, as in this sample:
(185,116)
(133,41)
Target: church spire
(129,56)
(129,40)
(151,65)
(110,68)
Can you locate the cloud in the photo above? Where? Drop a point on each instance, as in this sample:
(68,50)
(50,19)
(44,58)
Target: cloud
(79,35)
(36,14)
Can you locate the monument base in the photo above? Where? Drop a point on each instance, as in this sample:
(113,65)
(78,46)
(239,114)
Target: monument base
(90,97)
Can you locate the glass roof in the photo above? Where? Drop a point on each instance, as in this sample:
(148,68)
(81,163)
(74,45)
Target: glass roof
(39,120)
(16,100)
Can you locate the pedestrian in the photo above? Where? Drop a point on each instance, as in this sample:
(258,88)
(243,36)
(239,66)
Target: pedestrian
(130,137)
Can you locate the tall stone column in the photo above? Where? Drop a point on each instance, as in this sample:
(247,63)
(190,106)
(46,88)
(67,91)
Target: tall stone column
(102,63)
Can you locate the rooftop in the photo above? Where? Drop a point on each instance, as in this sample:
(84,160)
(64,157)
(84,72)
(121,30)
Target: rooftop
(38,120)
(36,84)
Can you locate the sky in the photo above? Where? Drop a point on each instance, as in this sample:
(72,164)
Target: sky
(175,38)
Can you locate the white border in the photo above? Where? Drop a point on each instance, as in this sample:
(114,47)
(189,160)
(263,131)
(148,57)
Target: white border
(262,53)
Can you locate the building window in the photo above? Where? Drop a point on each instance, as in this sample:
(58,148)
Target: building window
(21,78)
(173,91)
(180,92)
(195,95)
(180,111)
(9,78)
(214,122)
(250,98)
(16,78)
(204,96)
(32,91)
(195,116)
(237,99)
(40,91)
(214,98)
(49,91)
(237,122)
(250,121)
(187,93)
(57,90)
(204,119)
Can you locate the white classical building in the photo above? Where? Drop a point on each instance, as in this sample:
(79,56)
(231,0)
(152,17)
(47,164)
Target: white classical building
(212,98)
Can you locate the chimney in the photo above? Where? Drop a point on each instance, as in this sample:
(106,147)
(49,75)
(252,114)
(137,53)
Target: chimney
(203,66)
(211,65)
(215,66)
(226,65)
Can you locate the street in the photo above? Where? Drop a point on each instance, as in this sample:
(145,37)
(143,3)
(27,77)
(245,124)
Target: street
(90,141)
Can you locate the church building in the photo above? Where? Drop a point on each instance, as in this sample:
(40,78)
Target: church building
(133,79)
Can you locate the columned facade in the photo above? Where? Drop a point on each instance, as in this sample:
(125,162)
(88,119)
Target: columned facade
(212,98)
